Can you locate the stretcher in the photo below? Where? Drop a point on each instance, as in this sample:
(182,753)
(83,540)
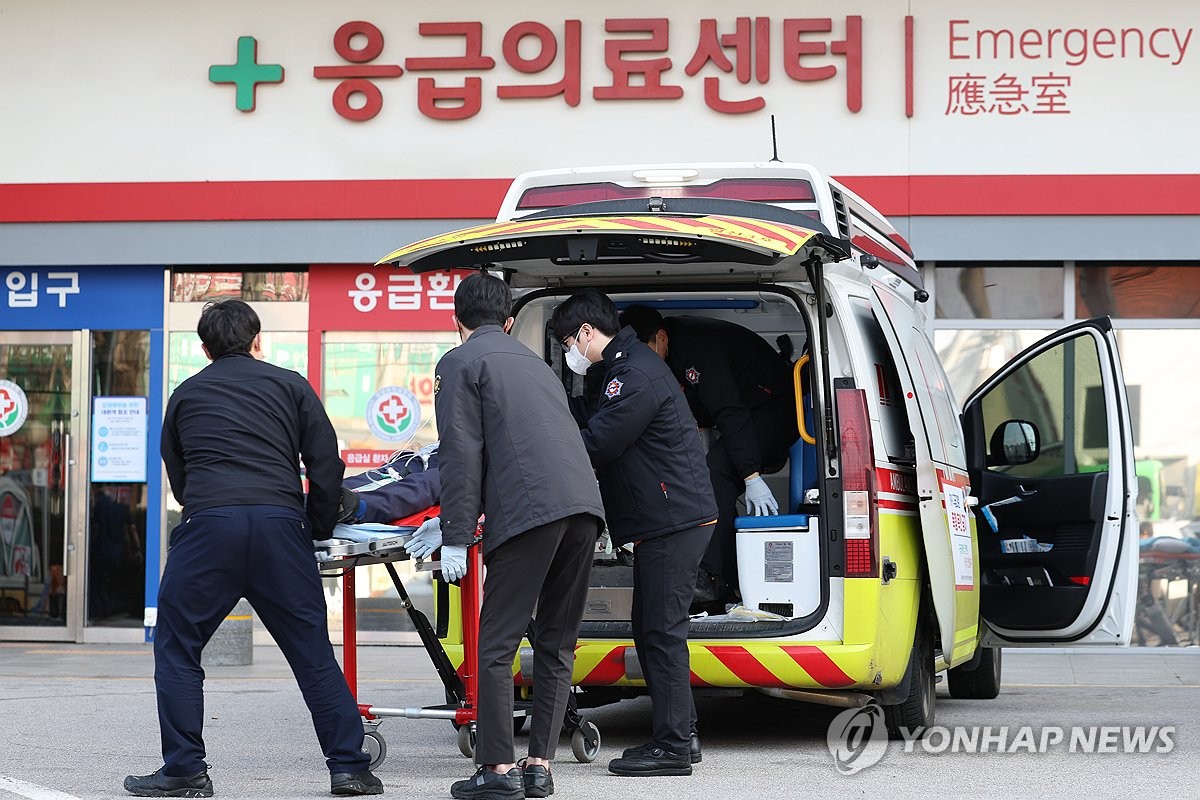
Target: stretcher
(340,557)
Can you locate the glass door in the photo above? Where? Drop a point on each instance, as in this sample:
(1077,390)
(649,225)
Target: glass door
(42,483)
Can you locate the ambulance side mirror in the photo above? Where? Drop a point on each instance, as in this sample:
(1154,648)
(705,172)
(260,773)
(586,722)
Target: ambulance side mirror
(1014,442)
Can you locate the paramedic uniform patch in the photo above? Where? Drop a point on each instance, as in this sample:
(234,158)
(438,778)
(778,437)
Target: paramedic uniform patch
(693,375)
(613,389)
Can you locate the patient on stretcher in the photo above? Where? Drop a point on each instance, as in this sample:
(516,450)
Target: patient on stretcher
(383,506)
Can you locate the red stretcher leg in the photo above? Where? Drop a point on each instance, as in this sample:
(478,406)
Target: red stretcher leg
(350,640)
(471,600)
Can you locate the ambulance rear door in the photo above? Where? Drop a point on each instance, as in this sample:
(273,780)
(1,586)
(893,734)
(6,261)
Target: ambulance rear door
(943,488)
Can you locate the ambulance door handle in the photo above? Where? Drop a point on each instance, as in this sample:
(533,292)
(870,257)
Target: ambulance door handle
(1021,490)
(66,489)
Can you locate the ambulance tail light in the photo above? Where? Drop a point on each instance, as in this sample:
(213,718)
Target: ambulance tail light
(858,485)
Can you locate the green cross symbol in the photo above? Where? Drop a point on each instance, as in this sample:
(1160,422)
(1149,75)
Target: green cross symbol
(247,73)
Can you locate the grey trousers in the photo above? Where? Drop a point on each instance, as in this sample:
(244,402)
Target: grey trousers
(547,566)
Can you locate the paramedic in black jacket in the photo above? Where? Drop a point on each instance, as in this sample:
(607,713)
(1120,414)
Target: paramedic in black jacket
(646,448)
(740,385)
(510,450)
(232,441)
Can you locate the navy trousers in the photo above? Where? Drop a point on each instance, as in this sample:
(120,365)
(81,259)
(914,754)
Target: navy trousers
(265,554)
(664,578)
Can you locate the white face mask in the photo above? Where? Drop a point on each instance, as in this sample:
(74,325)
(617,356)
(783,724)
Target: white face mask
(578,362)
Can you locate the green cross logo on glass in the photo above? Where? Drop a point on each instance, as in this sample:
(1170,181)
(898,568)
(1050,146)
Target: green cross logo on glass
(247,73)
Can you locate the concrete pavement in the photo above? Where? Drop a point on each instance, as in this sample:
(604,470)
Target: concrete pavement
(75,719)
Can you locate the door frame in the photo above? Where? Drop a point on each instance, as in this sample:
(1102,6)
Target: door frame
(76,494)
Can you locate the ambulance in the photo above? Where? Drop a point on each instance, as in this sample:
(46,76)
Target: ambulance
(916,536)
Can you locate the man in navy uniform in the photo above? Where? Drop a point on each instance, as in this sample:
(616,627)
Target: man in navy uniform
(232,442)
(646,448)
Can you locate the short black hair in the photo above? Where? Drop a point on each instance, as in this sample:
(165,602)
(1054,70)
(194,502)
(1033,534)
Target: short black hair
(644,320)
(482,299)
(591,307)
(228,326)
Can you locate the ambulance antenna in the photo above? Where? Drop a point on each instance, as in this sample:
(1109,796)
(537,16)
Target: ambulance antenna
(774,143)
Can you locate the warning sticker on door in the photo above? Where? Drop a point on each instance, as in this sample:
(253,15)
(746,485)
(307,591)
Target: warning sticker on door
(960,536)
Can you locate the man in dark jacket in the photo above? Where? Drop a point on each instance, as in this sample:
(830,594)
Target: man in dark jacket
(646,448)
(511,451)
(232,440)
(737,383)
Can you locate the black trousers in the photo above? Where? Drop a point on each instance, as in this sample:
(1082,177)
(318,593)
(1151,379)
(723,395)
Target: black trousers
(775,430)
(265,554)
(664,578)
(547,567)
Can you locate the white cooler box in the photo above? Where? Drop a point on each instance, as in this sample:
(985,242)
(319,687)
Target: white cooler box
(779,564)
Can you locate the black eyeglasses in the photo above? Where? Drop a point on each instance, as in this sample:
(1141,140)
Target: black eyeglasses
(565,342)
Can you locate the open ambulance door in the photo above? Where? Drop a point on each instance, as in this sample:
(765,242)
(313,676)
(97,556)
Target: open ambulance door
(594,249)
(1050,451)
(943,489)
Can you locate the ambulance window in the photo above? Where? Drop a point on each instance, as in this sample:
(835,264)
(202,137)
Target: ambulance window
(1059,392)
(927,367)
(762,190)
(884,383)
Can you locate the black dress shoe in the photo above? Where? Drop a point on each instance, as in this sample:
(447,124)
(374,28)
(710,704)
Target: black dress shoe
(653,760)
(488,785)
(538,780)
(350,783)
(694,754)
(160,785)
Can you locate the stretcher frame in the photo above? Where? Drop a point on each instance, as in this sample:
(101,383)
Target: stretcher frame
(461,687)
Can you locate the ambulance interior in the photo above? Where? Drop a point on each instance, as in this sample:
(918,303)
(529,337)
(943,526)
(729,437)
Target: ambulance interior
(791,606)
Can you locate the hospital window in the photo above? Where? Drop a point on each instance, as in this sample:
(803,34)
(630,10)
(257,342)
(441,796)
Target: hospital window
(993,291)
(1137,291)
(252,284)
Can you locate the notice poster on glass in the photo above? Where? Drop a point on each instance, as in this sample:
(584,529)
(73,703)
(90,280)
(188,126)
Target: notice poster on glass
(119,439)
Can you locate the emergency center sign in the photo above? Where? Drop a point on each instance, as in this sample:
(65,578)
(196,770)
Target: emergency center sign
(484,90)
(361,297)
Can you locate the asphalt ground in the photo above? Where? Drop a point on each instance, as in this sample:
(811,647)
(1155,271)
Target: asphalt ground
(75,719)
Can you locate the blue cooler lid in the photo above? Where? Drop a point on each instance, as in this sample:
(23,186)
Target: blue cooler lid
(777,521)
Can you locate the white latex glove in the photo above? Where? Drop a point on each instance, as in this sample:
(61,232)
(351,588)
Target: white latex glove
(759,500)
(454,562)
(427,539)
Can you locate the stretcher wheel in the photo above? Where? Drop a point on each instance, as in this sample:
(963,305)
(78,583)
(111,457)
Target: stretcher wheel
(375,747)
(466,740)
(585,743)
